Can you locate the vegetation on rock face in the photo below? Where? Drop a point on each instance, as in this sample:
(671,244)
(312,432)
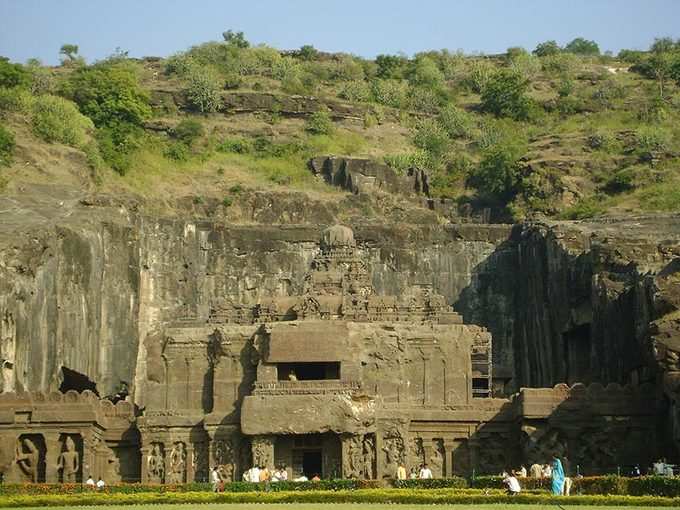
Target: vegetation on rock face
(7,145)
(562,130)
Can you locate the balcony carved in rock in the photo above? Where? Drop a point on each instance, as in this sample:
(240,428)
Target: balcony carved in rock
(330,387)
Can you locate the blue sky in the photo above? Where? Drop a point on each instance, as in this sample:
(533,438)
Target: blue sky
(37,28)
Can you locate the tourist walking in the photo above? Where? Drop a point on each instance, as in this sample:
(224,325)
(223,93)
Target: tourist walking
(425,472)
(557,476)
(401,472)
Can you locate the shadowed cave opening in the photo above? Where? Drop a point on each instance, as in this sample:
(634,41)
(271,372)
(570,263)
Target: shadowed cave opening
(308,371)
(72,380)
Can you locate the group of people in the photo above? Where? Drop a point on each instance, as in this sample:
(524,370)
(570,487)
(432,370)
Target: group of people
(98,485)
(558,471)
(259,474)
(422,473)
(659,468)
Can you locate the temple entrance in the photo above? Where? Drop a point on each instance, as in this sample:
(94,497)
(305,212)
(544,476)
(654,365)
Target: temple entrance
(312,463)
(309,455)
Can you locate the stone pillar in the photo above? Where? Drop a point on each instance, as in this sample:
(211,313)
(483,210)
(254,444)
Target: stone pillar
(449,447)
(52,453)
(380,471)
(263,450)
(145,450)
(190,466)
(345,440)
(90,442)
(473,447)
(428,450)
(426,378)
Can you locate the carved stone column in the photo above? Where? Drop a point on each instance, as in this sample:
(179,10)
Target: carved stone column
(190,462)
(428,449)
(52,453)
(263,450)
(449,447)
(89,458)
(145,450)
(345,450)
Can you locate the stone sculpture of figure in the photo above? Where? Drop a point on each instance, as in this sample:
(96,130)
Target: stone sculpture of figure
(224,459)
(416,453)
(368,456)
(155,465)
(393,447)
(27,461)
(355,457)
(178,463)
(69,462)
(437,459)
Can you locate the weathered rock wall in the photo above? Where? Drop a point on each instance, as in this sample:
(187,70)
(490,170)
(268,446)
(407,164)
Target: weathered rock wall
(69,296)
(85,294)
(573,302)
(564,303)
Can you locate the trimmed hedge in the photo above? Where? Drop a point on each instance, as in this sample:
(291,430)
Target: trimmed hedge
(592,485)
(135,488)
(400,496)
(455,482)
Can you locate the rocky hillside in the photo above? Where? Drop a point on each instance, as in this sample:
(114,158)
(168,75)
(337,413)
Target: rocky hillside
(562,135)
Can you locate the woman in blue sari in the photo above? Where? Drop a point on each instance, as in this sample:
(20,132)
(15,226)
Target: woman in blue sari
(557,476)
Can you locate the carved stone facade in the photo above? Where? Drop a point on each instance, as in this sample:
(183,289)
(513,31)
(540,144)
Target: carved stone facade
(67,437)
(337,381)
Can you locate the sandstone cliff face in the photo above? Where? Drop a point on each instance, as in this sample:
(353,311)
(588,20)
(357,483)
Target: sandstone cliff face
(84,291)
(84,286)
(573,302)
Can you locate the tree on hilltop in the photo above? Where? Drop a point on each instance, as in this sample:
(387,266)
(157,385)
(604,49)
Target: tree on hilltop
(581,46)
(70,51)
(547,48)
(237,39)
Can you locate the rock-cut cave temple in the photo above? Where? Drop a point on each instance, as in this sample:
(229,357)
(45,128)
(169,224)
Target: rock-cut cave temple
(157,352)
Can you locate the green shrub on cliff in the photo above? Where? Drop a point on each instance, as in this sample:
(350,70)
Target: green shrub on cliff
(55,119)
(7,145)
(320,123)
(109,94)
(12,75)
(498,174)
(203,89)
(505,95)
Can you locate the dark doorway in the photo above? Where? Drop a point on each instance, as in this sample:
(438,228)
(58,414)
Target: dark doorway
(308,371)
(312,463)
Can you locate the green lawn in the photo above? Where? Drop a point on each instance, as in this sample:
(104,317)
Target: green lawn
(347,506)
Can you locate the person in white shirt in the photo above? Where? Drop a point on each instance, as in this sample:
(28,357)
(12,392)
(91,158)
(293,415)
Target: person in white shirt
(90,482)
(215,479)
(547,471)
(280,474)
(255,474)
(513,484)
(425,472)
(522,473)
(100,484)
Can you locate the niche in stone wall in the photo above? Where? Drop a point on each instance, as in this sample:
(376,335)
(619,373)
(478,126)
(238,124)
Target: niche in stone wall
(30,454)
(72,380)
(70,461)
(577,347)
